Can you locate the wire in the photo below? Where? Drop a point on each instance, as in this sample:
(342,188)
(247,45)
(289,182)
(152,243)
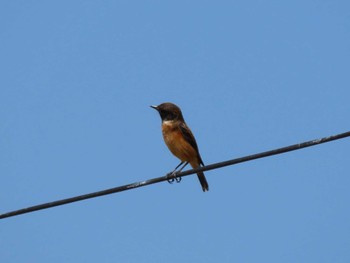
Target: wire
(185,173)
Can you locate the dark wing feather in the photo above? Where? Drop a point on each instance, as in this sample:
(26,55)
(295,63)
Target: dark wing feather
(187,134)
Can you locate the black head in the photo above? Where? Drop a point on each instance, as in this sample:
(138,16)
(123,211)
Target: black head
(169,112)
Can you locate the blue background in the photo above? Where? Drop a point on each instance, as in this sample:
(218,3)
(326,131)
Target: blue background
(77,79)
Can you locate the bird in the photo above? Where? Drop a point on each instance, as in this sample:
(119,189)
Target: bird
(180,140)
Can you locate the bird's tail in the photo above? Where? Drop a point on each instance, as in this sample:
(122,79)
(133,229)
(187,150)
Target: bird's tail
(201,177)
(203,181)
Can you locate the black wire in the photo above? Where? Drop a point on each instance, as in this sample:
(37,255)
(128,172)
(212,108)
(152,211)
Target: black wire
(185,173)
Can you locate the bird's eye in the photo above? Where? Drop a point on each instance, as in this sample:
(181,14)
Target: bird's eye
(170,116)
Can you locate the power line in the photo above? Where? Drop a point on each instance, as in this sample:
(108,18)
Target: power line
(290,148)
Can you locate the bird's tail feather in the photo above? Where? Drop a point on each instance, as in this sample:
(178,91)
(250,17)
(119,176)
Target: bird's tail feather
(203,181)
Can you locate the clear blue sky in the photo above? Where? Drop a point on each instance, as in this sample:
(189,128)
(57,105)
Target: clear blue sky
(77,79)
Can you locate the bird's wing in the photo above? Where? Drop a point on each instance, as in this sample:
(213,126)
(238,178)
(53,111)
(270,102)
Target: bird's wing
(187,134)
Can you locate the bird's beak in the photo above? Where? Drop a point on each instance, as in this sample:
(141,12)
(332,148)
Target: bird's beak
(154,107)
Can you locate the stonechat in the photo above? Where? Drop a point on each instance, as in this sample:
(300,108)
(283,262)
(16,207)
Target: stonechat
(180,140)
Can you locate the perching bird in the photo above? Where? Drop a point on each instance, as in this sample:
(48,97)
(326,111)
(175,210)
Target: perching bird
(179,139)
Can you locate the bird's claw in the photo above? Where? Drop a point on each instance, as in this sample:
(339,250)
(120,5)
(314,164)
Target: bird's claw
(173,177)
(171,180)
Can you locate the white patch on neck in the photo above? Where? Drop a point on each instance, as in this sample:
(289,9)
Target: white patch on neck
(168,122)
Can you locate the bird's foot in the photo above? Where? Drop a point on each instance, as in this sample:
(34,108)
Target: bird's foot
(173,177)
(178,179)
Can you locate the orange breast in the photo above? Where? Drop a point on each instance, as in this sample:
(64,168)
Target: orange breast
(177,144)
